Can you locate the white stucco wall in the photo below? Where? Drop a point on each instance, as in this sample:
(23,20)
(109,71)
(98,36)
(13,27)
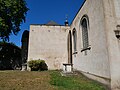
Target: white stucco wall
(117,7)
(112,14)
(96,61)
(48,43)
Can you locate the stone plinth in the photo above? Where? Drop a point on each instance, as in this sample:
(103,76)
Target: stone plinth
(24,67)
(67,68)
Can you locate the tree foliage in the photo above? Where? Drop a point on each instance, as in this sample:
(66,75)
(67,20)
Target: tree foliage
(12,14)
(10,56)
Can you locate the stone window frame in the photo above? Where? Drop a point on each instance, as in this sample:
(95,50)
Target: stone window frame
(74,33)
(85,33)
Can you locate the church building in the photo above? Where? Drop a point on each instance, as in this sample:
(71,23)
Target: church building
(90,44)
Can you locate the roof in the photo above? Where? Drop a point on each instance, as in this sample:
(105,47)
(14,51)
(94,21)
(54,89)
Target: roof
(52,23)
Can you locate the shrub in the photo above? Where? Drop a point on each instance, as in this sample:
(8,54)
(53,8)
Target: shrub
(43,65)
(37,65)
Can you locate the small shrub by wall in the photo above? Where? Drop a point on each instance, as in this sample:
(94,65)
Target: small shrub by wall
(37,65)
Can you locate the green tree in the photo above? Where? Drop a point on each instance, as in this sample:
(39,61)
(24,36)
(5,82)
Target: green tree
(12,14)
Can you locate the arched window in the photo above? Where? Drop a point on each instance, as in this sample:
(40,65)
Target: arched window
(85,39)
(75,40)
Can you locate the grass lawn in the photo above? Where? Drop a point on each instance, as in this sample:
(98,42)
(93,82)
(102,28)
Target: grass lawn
(47,80)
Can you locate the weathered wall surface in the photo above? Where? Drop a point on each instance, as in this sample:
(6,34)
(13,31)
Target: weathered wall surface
(116,4)
(48,43)
(112,14)
(96,61)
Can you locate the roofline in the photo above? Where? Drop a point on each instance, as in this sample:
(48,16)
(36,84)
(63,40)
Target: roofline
(78,11)
(47,25)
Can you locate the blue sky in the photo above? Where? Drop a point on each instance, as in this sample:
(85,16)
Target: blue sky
(42,11)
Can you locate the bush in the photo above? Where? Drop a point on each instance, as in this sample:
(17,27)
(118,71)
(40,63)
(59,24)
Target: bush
(37,65)
(43,65)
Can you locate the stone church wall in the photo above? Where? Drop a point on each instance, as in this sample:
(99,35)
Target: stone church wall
(48,43)
(112,14)
(96,62)
(117,8)
(103,60)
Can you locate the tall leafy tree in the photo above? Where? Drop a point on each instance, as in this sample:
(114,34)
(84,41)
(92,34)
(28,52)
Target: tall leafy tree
(12,14)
